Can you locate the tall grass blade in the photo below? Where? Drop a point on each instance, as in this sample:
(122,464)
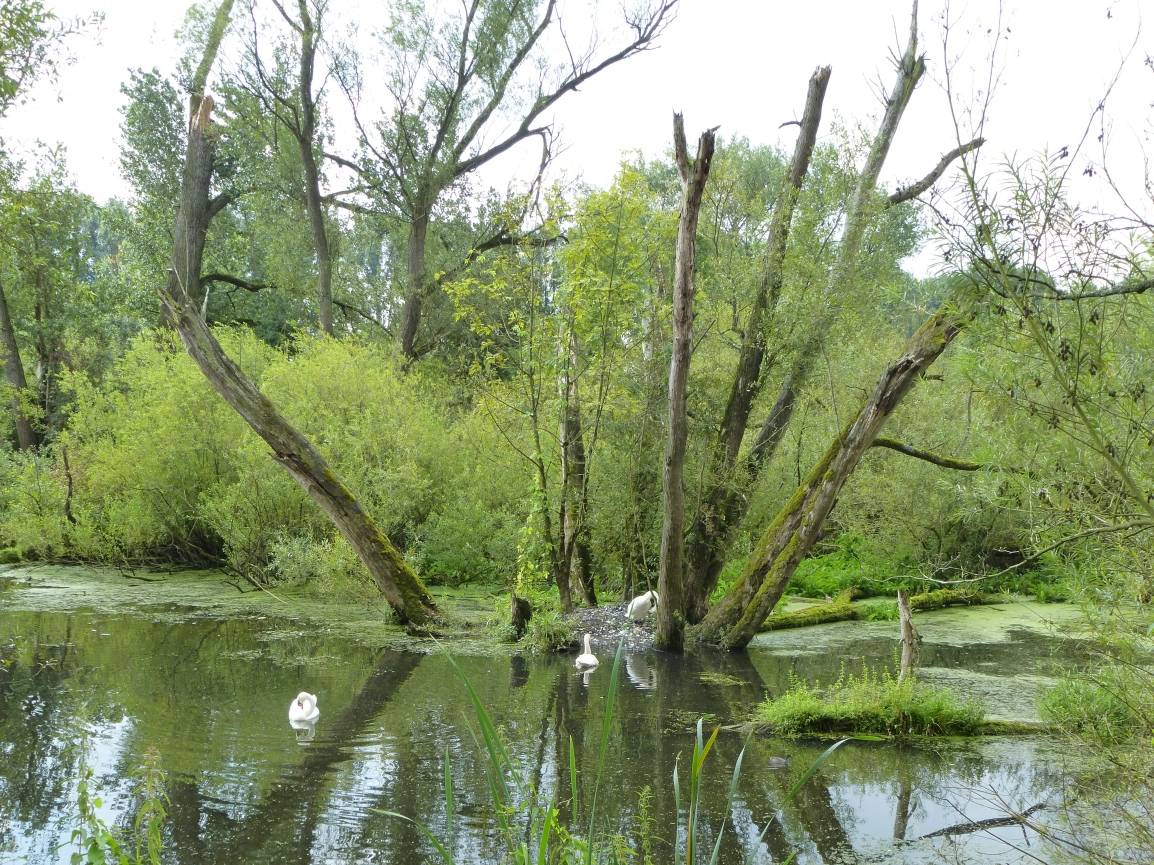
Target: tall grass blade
(446,857)
(603,750)
(572,776)
(814,766)
(500,764)
(450,808)
(728,806)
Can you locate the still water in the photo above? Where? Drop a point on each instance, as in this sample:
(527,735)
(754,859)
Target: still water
(209,694)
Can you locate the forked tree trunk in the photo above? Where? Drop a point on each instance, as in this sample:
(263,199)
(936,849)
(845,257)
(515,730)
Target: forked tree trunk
(14,375)
(709,527)
(787,540)
(394,578)
(727,503)
(671,610)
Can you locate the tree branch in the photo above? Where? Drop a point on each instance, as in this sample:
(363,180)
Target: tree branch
(646,31)
(928,456)
(905,193)
(233,280)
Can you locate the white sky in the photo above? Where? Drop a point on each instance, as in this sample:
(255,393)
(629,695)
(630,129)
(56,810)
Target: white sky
(739,64)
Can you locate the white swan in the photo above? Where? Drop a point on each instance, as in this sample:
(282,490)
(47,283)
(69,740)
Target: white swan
(642,605)
(304,708)
(587,660)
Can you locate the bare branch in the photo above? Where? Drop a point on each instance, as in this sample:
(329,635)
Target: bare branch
(645,32)
(915,189)
(680,148)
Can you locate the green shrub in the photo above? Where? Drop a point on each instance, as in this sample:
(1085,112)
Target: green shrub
(869,702)
(1114,703)
(853,563)
(549,631)
(163,469)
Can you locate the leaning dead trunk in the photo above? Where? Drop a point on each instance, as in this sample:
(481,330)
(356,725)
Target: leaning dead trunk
(396,581)
(671,611)
(14,375)
(787,540)
(706,534)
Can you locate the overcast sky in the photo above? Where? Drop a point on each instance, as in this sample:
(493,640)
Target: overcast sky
(738,64)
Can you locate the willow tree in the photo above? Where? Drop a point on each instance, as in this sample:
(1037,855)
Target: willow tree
(29,51)
(466,88)
(295,104)
(394,578)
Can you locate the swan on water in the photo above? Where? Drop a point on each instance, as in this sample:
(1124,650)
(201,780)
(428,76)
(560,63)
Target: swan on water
(642,606)
(587,660)
(304,708)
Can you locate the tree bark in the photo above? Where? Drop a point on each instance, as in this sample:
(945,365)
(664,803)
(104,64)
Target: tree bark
(14,375)
(392,575)
(414,283)
(313,202)
(909,636)
(574,550)
(735,620)
(671,610)
(706,535)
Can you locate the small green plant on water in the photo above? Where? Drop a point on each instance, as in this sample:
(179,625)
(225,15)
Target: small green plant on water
(869,702)
(95,843)
(645,823)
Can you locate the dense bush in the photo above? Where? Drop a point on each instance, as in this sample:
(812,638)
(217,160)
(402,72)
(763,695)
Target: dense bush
(162,469)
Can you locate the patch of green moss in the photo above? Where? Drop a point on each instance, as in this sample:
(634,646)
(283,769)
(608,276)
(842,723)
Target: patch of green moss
(9,556)
(840,609)
(721,679)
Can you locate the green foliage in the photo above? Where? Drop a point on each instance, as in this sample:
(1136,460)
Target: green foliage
(96,843)
(869,702)
(549,631)
(853,563)
(161,468)
(1110,705)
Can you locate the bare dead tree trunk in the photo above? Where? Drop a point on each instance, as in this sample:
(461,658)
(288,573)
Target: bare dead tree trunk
(909,636)
(14,375)
(727,508)
(671,610)
(735,620)
(704,547)
(392,575)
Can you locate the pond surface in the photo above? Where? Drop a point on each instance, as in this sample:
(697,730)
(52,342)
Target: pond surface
(91,672)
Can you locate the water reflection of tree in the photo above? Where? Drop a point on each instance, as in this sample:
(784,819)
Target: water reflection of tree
(284,823)
(37,717)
